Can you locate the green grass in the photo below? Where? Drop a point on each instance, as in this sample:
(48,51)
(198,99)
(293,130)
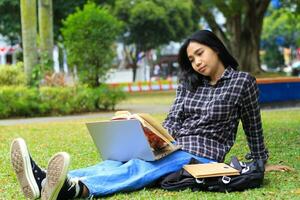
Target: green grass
(150,98)
(282,135)
(270,74)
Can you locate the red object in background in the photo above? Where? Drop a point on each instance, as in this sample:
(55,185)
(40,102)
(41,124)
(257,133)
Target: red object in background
(4,50)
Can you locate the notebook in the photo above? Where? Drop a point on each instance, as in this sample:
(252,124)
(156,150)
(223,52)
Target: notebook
(123,140)
(210,170)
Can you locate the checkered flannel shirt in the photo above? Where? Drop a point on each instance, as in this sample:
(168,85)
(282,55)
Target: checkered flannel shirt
(205,122)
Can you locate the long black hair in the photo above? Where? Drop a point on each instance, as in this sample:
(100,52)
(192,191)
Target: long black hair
(188,76)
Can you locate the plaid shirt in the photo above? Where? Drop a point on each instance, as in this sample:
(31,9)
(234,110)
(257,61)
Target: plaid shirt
(205,122)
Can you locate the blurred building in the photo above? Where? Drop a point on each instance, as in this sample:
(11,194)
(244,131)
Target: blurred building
(8,53)
(152,65)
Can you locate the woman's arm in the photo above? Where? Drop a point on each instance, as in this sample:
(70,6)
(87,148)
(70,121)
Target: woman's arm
(251,120)
(175,117)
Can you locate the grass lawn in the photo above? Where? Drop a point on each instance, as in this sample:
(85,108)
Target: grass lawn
(151,98)
(282,135)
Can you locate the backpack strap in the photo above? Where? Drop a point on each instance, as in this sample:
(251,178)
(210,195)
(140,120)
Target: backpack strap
(235,163)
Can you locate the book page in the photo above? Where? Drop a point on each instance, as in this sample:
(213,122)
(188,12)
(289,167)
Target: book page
(157,136)
(155,142)
(156,125)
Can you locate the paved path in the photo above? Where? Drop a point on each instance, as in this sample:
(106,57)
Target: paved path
(152,109)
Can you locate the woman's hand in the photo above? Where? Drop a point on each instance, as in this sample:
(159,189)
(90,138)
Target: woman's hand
(281,168)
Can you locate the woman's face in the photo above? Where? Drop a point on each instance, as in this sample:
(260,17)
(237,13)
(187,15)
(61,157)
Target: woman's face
(205,60)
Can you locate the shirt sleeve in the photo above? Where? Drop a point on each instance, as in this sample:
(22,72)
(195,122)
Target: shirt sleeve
(251,120)
(175,117)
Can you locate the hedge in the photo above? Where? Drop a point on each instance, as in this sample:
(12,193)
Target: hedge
(21,101)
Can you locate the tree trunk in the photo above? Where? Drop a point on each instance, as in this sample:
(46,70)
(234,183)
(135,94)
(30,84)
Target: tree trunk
(134,69)
(29,36)
(46,34)
(245,48)
(247,53)
(134,58)
(243,29)
(245,44)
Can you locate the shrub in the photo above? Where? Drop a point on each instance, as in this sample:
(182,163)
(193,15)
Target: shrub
(84,100)
(24,101)
(54,79)
(98,28)
(108,97)
(12,75)
(56,100)
(18,101)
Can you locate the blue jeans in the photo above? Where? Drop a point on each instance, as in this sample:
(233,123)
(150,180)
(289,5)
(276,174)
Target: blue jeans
(110,176)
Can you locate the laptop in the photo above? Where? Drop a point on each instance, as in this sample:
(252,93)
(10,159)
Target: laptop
(123,140)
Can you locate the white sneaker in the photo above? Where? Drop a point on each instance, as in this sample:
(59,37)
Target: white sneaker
(29,174)
(56,175)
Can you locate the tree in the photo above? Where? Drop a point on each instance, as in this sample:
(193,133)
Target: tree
(151,23)
(281,28)
(29,37)
(61,10)
(10,20)
(10,25)
(282,22)
(45,13)
(242,29)
(273,58)
(89,35)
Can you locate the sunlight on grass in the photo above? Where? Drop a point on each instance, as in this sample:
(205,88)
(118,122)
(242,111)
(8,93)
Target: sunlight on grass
(282,134)
(151,98)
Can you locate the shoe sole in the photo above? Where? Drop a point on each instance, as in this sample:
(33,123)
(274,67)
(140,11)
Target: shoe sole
(56,175)
(21,164)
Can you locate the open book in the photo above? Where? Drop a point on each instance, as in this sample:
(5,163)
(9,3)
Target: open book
(131,136)
(158,137)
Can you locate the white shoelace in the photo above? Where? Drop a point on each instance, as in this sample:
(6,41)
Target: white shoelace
(74,182)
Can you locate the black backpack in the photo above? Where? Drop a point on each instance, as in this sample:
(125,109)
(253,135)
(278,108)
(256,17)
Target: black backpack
(251,176)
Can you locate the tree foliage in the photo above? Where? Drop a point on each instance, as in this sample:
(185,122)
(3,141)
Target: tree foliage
(10,20)
(273,58)
(89,35)
(61,10)
(151,23)
(283,23)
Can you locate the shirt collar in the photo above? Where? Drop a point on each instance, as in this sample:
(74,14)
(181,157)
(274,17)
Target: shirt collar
(226,75)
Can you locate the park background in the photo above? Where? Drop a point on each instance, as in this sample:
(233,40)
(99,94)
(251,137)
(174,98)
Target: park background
(69,62)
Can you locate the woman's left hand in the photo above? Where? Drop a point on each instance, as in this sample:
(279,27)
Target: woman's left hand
(281,168)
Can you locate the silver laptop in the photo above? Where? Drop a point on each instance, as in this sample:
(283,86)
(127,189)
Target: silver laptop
(123,140)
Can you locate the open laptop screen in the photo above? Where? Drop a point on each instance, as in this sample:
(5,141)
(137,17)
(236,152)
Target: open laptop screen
(120,140)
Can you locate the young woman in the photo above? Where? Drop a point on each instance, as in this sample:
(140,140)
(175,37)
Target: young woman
(211,98)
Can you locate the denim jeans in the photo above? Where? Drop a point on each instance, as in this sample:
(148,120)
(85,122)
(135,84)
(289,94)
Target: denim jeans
(109,177)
